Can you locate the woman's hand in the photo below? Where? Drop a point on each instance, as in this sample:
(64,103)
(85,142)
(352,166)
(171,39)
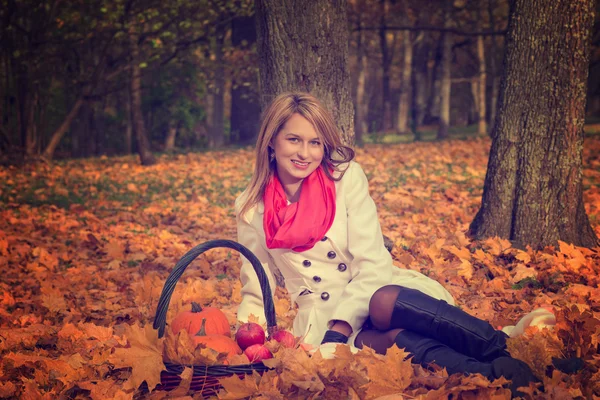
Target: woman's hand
(332,336)
(342,327)
(327,350)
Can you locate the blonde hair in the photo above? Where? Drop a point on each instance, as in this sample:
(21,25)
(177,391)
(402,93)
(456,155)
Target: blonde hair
(274,117)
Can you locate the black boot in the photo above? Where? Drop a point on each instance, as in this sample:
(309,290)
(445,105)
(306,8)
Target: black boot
(453,327)
(516,371)
(427,350)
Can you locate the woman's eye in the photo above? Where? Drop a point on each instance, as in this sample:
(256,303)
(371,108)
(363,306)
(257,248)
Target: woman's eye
(315,143)
(293,140)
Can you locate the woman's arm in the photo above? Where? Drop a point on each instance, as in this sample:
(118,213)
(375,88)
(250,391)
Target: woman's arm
(252,299)
(371,264)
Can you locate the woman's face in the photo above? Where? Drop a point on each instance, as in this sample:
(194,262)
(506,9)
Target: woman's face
(298,150)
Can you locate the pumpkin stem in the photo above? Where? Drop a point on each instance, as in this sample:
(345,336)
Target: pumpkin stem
(202,331)
(196,308)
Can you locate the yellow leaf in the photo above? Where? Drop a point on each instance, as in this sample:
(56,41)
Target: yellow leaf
(389,375)
(521,272)
(465,269)
(97,332)
(115,250)
(45,258)
(3,247)
(463,253)
(7,390)
(237,388)
(70,332)
(53,298)
(184,386)
(523,256)
(144,355)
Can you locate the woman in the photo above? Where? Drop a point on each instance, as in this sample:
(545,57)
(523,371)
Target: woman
(307,212)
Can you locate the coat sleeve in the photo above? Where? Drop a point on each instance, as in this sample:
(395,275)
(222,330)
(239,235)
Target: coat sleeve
(372,263)
(252,299)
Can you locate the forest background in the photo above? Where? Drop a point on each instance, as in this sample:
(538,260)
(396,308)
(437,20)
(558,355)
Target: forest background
(149,109)
(68,71)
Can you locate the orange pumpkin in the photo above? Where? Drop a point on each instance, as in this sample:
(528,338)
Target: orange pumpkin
(216,322)
(220,343)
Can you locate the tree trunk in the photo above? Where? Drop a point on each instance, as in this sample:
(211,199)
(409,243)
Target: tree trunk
(493,66)
(307,54)
(360,109)
(62,129)
(245,108)
(533,186)
(128,123)
(171,135)
(431,82)
(217,129)
(139,128)
(419,83)
(385,69)
(482,80)
(405,87)
(30,131)
(445,86)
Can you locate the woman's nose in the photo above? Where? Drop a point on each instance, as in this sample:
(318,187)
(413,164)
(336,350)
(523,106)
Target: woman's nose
(303,151)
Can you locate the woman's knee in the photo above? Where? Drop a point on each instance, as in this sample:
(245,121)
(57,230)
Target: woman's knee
(381,306)
(377,340)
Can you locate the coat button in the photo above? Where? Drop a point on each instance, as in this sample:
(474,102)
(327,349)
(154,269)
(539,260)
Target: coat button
(317,278)
(342,267)
(325,296)
(331,254)
(306,263)
(324,238)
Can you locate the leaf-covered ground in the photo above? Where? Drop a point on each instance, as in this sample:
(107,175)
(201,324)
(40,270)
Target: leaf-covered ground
(86,246)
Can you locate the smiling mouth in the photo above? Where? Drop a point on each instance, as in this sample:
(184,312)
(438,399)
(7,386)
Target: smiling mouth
(302,164)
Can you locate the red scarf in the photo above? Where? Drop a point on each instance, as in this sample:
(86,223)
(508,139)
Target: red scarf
(298,226)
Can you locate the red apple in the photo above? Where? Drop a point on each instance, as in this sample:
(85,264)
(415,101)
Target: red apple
(285,338)
(248,334)
(257,353)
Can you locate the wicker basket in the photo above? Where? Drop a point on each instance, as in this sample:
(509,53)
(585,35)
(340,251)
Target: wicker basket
(206,377)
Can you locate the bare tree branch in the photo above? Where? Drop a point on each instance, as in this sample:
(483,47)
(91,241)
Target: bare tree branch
(433,29)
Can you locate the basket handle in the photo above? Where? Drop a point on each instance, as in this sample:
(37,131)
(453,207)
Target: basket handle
(160,318)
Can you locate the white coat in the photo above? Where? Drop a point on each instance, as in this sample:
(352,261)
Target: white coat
(342,271)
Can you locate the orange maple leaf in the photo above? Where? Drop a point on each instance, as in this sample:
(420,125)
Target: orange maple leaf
(144,355)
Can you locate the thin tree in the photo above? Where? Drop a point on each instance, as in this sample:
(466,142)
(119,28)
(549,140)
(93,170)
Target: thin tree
(245,110)
(533,187)
(137,117)
(446,78)
(307,53)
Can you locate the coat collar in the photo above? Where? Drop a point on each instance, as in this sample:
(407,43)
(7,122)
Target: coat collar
(258,208)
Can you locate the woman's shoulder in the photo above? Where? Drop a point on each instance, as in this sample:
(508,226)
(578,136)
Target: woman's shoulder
(240,200)
(349,170)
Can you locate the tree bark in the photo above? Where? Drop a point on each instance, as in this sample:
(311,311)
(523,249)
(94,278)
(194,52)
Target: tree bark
(533,186)
(171,135)
(308,54)
(385,69)
(62,129)
(217,129)
(493,67)
(30,131)
(139,128)
(360,109)
(445,86)
(481,86)
(405,86)
(245,108)
(419,83)
(128,123)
